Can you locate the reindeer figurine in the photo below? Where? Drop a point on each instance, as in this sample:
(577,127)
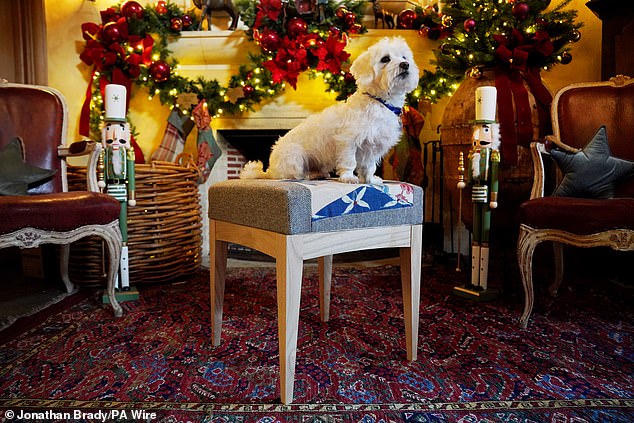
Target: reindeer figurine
(380,14)
(211,5)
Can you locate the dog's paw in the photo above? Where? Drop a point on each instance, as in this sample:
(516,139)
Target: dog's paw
(349,178)
(374,180)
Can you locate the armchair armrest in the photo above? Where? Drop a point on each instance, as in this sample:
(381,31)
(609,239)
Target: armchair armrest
(76,149)
(539,178)
(83,148)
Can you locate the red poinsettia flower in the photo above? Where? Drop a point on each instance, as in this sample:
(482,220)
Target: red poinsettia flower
(109,15)
(267,9)
(88,53)
(95,53)
(106,61)
(291,60)
(143,46)
(278,74)
(134,61)
(311,40)
(331,55)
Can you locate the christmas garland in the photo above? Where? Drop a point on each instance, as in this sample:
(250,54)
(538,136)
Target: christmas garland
(130,46)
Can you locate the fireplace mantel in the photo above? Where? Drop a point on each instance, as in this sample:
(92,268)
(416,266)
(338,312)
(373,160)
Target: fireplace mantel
(218,54)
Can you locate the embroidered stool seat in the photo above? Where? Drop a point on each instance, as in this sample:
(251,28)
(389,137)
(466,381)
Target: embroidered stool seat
(292,221)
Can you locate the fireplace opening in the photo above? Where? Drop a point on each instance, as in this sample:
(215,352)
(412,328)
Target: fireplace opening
(253,144)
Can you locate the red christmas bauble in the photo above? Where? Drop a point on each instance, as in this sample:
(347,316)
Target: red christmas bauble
(132,9)
(110,33)
(355,28)
(350,18)
(334,32)
(521,10)
(247,90)
(176,24)
(161,7)
(405,19)
(469,25)
(296,26)
(341,12)
(269,40)
(160,71)
(565,58)
(424,30)
(187,20)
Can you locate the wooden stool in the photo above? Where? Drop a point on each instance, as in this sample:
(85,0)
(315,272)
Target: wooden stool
(297,220)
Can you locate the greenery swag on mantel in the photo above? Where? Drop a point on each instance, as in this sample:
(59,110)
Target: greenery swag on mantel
(130,47)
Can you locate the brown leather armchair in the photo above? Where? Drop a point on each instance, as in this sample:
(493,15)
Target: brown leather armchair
(577,111)
(47,213)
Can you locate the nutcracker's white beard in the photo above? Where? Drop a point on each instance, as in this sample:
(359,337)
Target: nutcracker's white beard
(475,164)
(117,163)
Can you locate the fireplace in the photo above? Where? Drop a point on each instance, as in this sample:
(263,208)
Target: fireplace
(244,145)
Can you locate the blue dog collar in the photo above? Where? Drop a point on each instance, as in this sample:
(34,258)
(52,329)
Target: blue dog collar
(396,110)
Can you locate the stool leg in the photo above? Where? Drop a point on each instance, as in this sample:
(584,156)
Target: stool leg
(325,282)
(410,280)
(289,266)
(218,264)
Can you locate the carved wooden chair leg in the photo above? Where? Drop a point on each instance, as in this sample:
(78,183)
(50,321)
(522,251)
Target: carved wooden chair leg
(525,249)
(558,251)
(63,267)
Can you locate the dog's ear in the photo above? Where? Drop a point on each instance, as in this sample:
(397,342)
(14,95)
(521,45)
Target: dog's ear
(362,69)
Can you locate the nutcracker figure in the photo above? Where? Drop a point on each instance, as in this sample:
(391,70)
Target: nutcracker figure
(116,167)
(482,175)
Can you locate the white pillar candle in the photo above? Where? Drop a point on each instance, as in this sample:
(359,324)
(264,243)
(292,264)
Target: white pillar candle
(115,102)
(485,103)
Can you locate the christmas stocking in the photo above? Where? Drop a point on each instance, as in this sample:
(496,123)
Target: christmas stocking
(406,156)
(208,150)
(178,128)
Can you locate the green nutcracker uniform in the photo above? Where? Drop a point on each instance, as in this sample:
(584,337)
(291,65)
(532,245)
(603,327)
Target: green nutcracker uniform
(482,170)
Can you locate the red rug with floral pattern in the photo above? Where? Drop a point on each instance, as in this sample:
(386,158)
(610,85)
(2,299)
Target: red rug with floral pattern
(574,363)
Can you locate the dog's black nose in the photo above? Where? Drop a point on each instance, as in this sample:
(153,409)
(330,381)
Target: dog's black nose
(404,65)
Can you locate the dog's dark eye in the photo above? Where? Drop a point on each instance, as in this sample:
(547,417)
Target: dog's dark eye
(385,59)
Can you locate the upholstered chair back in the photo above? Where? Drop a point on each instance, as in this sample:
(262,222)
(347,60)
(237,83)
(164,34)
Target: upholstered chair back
(582,110)
(41,136)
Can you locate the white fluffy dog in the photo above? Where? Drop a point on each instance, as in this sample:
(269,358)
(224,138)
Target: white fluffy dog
(350,137)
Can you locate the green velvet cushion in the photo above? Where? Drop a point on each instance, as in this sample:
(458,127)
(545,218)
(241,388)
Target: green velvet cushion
(591,172)
(16,176)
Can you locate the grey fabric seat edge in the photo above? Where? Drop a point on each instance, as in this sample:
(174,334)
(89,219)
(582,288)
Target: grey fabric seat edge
(285,207)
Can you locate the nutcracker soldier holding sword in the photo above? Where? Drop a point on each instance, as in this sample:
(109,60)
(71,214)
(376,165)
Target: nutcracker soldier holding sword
(482,175)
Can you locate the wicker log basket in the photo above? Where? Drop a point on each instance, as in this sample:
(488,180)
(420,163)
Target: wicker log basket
(164,228)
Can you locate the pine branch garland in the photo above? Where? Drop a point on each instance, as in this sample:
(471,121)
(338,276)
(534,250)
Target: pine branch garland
(482,31)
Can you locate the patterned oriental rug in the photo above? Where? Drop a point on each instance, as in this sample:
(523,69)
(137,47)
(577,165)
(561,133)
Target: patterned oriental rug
(574,363)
